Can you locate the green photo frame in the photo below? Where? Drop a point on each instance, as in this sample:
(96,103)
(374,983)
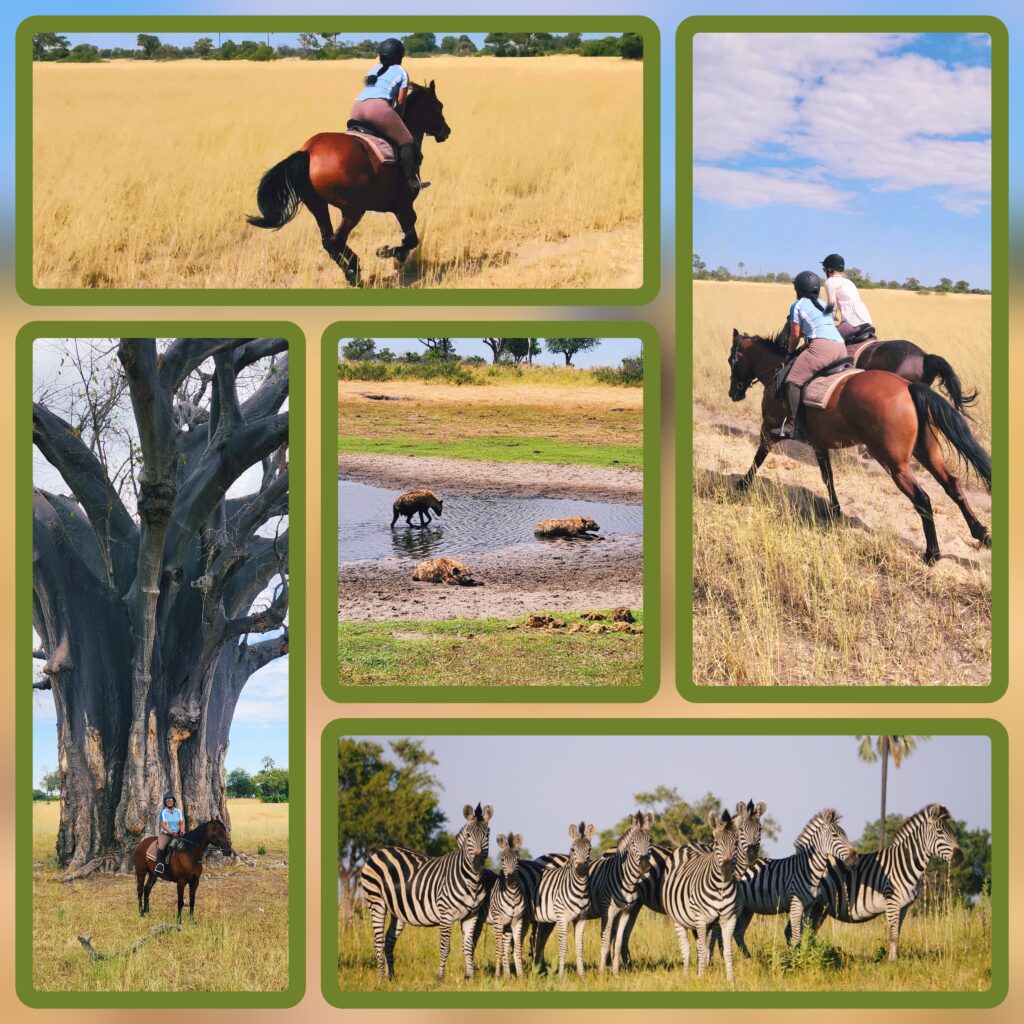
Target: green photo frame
(343,295)
(651,514)
(25,987)
(839,692)
(505,996)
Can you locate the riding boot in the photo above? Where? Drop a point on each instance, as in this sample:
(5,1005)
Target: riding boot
(409,158)
(790,429)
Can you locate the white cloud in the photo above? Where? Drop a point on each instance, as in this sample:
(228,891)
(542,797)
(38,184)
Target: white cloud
(264,699)
(747,189)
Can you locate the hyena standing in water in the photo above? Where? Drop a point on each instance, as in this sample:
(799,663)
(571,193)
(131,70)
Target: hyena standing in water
(422,501)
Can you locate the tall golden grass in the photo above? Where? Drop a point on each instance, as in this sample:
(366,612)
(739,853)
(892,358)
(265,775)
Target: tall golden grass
(781,596)
(144,172)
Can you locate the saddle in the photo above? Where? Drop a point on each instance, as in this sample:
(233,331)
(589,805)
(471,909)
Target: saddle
(812,396)
(379,146)
(865,332)
(174,844)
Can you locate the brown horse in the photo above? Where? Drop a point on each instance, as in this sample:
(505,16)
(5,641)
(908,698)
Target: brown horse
(335,169)
(184,867)
(894,418)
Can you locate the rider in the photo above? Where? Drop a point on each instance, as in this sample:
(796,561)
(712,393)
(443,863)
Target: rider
(842,293)
(382,102)
(809,319)
(170,823)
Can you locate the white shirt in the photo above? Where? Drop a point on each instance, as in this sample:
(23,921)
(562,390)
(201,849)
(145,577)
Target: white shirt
(842,293)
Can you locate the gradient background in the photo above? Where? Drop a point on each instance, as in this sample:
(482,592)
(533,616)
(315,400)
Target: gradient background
(668,703)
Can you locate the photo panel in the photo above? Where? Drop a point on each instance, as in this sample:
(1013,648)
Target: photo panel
(701,865)
(490,511)
(160,495)
(423,160)
(842,528)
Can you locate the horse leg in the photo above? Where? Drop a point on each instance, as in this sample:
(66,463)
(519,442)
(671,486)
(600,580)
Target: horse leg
(825,465)
(903,477)
(140,885)
(759,456)
(150,882)
(193,884)
(343,255)
(929,454)
(181,899)
(406,217)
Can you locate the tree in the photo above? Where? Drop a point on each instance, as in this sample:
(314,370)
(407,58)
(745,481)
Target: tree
(420,42)
(149,44)
(50,46)
(632,46)
(742,267)
(308,43)
(521,349)
(49,782)
(497,347)
(84,53)
(227,49)
(358,349)
(384,800)
(962,286)
(912,284)
(271,783)
(240,785)
(458,46)
(150,598)
(438,348)
(871,748)
(945,284)
(568,347)
(203,47)
(699,266)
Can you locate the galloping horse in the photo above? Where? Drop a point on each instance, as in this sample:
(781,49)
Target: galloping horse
(183,866)
(894,418)
(335,169)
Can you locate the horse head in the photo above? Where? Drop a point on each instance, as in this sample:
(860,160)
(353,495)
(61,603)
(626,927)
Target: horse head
(424,113)
(741,372)
(217,834)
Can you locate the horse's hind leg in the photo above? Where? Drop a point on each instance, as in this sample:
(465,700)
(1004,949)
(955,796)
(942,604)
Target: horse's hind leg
(140,885)
(342,254)
(904,478)
(929,454)
(150,882)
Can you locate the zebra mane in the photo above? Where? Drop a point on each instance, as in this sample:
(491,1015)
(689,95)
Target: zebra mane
(828,816)
(915,821)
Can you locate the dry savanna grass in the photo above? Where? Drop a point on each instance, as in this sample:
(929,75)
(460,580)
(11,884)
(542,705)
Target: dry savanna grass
(782,596)
(946,951)
(144,172)
(237,943)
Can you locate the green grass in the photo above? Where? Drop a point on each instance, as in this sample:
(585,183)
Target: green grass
(485,652)
(500,448)
(945,951)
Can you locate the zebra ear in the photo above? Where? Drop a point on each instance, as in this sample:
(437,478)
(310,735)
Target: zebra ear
(648,820)
(760,809)
(742,808)
(574,832)
(713,820)
(517,840)
(726,818)
(502,842)
(467,812)
(488,812)
(590,831)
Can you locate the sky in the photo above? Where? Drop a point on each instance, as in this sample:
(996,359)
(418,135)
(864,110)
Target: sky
(539,784)
(870,145)
(260,726)
(610,352)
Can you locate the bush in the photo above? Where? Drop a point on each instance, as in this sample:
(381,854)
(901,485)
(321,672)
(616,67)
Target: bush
(364,370)
(474,360)
(630,374)
(425,369)
(813,953)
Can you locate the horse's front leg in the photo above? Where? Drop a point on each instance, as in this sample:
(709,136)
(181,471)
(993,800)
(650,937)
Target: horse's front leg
(193,884)
(147,889)
(759,456)
(181,900)
(406,217)
(825,465)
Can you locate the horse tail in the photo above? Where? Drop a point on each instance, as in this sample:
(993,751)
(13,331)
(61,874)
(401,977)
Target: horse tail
(932,407)
(936,366)
(278,193)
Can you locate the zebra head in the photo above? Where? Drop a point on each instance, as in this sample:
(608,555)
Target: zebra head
(635,843)
(510,846)
(723,843)
(825,836)
(748,833)
(579,853)
(474,840)
(932,825)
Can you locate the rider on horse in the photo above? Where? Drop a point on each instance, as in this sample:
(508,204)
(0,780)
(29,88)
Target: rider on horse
(381,103)
(842,294)
(809,319)
(170,823)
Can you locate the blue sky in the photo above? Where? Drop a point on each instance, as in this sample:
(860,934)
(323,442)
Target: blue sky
(874,146)
(610,352)
(538,784)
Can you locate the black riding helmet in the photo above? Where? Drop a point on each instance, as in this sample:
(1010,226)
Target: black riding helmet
(169,796)
(807,284)
(391,51)
(833,261)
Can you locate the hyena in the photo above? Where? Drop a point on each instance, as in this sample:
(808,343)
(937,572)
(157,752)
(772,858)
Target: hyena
(422,501)
(444,570)
(577,526)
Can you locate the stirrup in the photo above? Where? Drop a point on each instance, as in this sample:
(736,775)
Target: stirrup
(159,867)
(788,431)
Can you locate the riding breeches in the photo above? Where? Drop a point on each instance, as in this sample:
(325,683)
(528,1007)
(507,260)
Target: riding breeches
(818,354)
(384,117)
(162,840)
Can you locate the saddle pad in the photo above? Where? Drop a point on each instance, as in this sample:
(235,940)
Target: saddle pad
(380,148)
(819,390)
(860,349)
(151,852)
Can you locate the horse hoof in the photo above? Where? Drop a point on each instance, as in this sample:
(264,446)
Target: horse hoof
(386,252)
(931,557)
(986,540)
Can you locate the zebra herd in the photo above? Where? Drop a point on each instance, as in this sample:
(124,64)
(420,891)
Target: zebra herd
(711,890)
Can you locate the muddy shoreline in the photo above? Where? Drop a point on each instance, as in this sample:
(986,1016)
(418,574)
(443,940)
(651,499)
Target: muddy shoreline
(473,478)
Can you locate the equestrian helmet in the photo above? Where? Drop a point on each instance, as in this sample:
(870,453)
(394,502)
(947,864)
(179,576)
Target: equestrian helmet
(391,51)
(807,284)
(169,796)
(833,261)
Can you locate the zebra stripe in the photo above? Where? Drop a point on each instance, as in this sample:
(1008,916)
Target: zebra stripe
(888,881)
(506,909)
(429,892)
(699,888)
(558,894)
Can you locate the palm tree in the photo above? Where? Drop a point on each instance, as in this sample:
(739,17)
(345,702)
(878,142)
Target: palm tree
(898,747)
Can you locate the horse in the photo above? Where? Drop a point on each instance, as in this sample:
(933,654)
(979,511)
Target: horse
(894,418)
(183,867)
(335,169)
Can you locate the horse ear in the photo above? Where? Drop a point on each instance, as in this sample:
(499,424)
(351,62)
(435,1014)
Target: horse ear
(431,86)
(735,334)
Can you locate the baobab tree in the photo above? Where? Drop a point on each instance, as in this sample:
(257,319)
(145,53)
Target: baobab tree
(158,592)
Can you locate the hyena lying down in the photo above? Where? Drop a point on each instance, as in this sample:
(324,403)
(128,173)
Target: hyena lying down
(577,526)
(422,501)
(445,570)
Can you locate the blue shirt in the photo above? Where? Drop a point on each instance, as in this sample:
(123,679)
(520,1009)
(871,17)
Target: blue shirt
(813,322)
(390,81)
(170,818)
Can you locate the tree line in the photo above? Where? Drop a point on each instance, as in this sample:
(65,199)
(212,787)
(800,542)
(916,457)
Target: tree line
(394,797)
(862,279)
(503,350)
(52,46)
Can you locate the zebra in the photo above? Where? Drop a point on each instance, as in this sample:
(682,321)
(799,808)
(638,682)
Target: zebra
(429,892)
(558,893)
(791,884)
(506,909)
(888,881)
(747,822)
(699,888)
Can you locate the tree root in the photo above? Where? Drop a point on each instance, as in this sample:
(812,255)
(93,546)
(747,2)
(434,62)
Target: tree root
(86,941)
(105,863)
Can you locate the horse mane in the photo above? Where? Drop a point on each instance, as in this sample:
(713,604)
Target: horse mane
(194,834)
(777,341)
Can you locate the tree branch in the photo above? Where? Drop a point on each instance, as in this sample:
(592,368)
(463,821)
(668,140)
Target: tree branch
(184,355)
(264,621)
(258,348)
